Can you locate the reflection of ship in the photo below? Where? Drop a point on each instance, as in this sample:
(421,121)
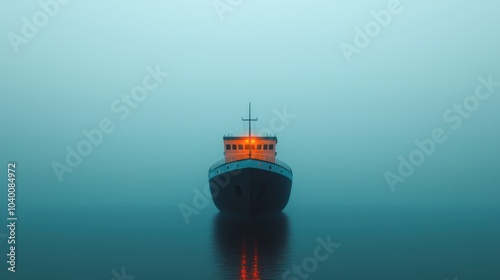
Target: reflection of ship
(251,248)
(250,180)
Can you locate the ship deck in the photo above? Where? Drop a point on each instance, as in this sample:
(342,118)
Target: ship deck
(255,157)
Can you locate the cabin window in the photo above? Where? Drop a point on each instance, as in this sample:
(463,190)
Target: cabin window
(240,147)
(265,146)
(247,147)
(228,147)
(271,146)
(234,147)
(259,147)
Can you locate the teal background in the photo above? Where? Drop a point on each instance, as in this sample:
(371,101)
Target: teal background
(352,121)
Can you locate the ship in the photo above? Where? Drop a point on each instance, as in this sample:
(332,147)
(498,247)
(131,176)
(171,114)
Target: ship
(250,180)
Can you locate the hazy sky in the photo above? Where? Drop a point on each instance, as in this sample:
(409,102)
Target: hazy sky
(351,120)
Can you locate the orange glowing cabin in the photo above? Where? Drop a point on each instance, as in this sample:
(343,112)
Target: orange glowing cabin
(257,147)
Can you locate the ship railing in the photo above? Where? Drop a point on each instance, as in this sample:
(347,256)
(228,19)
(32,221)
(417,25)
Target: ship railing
(238,158)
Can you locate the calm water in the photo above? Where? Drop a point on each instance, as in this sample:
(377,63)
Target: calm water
(155,243)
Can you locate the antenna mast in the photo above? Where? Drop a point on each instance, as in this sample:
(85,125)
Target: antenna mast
(250,120)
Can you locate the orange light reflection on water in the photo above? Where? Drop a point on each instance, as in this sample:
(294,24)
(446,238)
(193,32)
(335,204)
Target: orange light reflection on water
(244,269)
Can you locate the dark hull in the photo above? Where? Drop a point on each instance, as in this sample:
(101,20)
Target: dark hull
(250,191)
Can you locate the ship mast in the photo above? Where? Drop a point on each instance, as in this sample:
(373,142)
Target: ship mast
(250,120)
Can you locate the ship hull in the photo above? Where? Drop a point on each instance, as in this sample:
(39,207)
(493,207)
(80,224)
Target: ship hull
(250,190)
